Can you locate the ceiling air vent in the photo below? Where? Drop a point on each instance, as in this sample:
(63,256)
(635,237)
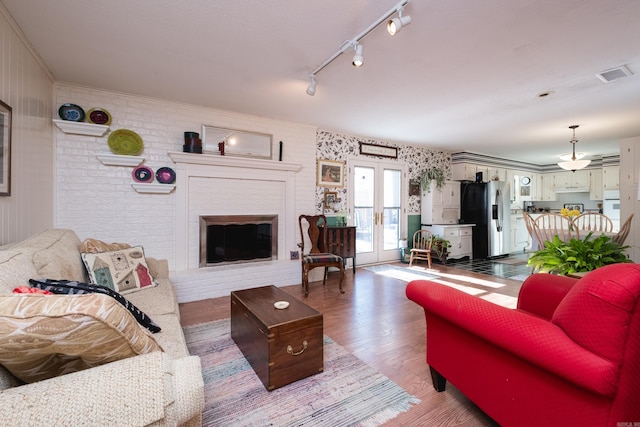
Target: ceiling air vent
(608,76)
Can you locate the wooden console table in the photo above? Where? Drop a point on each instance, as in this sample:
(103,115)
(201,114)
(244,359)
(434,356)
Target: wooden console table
(342,241)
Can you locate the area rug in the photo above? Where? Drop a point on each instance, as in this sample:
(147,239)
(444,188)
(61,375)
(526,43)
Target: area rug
(348,393)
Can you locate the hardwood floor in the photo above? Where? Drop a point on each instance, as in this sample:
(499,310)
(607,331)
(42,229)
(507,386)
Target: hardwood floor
(376,322)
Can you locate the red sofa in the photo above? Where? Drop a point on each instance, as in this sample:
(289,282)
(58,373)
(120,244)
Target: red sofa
(569,355)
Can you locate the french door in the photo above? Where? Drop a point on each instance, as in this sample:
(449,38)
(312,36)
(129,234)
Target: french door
(377,200)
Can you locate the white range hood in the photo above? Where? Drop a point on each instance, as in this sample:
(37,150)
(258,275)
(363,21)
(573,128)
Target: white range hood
(572,189)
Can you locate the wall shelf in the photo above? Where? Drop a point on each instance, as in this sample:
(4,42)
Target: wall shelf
(118,160)
(81,128)
(153,188)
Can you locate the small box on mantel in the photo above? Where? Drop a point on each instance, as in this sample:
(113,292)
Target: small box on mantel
(282,345)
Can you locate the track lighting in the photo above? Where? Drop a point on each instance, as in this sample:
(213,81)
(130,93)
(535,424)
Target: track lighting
(393,26)
(358,59)
(396,24)
(311,89)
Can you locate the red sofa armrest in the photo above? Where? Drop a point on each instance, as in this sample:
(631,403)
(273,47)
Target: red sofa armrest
(541,293)
(527,336)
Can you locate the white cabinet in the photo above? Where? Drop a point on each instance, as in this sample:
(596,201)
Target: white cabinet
(536,186)
(520,235)
(460,237)
(463,172)
(611,178)
(548,187)
(441,206)
(596,185)
(572,181)
(496,174)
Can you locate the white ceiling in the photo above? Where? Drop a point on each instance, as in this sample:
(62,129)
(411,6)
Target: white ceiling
(464,76)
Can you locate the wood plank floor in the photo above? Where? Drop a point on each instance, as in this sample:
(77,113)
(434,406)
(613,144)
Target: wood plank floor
(376,322)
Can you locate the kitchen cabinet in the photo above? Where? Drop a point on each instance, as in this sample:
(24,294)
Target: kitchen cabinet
(572,181)
(441,206)
(536,186)
(548,187)
(460,236)
(519,233)
(611,178)
(496,174)
(463,172)
(596,185)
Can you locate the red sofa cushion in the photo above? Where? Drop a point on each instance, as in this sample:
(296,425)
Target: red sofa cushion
(597,311)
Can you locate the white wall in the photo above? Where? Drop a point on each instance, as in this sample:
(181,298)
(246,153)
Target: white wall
(98,201)
(27,88)
(629,200)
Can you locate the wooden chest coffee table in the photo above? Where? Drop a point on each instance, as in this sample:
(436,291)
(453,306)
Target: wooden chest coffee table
(282,345)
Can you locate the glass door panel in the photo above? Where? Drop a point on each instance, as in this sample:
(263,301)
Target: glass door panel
(377,204)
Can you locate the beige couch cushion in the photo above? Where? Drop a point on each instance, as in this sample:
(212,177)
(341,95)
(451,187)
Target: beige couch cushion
(94,246)
(43,336)
(123,270)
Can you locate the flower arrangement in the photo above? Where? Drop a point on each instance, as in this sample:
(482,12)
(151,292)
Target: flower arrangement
(569,213)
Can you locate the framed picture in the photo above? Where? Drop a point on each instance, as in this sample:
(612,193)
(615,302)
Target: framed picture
(378,150)
(330,173)
(5,149)
(330,198)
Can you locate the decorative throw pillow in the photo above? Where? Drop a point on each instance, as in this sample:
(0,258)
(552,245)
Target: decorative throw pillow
(123,270)
(68,287)
(45,336)
(95,246)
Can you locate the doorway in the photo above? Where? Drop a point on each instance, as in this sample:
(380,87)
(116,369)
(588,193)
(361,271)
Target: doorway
(378,201)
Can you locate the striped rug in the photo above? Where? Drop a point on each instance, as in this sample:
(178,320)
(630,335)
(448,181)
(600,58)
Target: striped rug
(348,392)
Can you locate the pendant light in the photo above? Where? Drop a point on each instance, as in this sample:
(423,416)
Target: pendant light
(575,163)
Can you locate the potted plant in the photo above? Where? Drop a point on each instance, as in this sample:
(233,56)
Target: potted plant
(439,246)
(577,255)
(432,174)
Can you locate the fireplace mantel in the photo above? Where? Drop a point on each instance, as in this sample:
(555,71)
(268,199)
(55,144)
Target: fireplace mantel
(238,162)
(209,184)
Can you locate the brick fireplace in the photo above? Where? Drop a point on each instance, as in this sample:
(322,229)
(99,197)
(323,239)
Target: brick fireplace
(213,185)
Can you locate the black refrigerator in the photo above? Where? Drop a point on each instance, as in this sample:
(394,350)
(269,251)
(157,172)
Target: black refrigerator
(487,205)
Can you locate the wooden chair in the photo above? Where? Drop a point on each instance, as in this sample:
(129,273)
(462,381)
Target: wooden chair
(316,232)
(549,225)
(592,221)
(624,231)
(533,231)
(422,240)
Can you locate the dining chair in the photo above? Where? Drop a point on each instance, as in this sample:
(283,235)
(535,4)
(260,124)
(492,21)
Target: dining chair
(315,228)
(551,224)
(624,231)
(422,241)
(532,229)
(593,221)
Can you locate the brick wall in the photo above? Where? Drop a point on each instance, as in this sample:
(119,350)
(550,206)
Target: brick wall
(98,201)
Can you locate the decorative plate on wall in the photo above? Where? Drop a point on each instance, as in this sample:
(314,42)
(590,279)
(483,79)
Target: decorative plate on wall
(166,175)
(71,112)
(142,174)
(99,116)
(125,142)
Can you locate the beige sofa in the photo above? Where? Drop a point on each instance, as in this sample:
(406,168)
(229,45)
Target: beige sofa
(157,388)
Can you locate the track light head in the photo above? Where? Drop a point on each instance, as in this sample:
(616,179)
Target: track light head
(358,59)
(311,89)
(395,25)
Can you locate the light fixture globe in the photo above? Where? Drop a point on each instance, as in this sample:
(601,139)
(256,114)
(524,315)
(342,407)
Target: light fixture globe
(574,163)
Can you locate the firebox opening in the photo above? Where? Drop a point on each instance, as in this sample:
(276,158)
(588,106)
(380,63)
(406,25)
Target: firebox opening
(237,238)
